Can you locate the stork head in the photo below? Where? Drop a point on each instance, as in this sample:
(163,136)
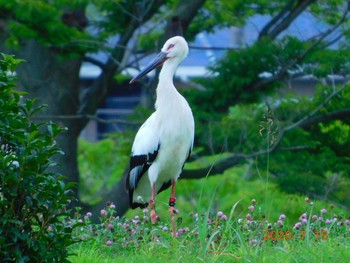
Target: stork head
(175,49)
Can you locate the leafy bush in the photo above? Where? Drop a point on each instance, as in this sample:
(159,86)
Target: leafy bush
(32,199)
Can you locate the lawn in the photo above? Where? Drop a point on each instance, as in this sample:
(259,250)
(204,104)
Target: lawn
(237,221)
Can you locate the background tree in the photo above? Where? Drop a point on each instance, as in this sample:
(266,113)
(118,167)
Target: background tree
(55,38)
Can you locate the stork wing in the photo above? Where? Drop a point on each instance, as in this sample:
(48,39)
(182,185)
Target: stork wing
(144,152)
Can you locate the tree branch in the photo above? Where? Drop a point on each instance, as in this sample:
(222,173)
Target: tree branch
(343,114)
(186,11)
(94,61)
(90,117)
(284,18)
(264,32)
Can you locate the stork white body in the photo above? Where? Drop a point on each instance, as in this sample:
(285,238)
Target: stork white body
(164,142)
(171,127)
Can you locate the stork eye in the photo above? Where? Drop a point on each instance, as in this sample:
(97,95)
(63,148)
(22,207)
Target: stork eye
(170,46)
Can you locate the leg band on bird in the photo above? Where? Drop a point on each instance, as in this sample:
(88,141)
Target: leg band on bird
(172,201)
(172,210)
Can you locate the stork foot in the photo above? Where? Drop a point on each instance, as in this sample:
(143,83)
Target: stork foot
(154,217)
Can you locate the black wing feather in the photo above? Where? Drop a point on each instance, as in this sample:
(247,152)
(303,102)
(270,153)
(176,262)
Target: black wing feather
(139,165)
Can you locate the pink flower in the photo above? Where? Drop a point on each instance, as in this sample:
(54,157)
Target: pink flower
(297,225)
(329,221)
(323,211)
(112,206)
(282,216)
(251,208)
(224,217)
(314,218)
(89,214)
(220,214)
(303,216)
(103,212)
(280,222)
(110,226)
(304,220)
(109,243)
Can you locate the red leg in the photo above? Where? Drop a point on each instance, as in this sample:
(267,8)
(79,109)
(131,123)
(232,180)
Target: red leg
(172,209)
(152,205)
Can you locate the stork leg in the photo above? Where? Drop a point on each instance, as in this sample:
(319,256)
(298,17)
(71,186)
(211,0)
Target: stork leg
(152,205)
(172,209)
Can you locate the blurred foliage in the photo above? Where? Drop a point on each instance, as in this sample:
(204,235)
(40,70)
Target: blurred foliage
(101,165)
(311,159)
(33,199)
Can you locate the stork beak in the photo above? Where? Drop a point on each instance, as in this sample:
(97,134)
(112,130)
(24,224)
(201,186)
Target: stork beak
(156,62)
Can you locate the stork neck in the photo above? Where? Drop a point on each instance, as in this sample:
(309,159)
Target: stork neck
(166,92)
(167,73)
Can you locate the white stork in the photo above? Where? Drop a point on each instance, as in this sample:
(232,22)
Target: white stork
(164,142)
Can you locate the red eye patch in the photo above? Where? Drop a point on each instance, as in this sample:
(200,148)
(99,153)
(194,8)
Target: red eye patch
(170,46)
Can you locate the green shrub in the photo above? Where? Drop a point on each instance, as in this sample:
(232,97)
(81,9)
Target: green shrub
(32,199)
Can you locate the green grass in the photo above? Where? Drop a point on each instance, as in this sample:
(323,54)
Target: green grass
(239,238)
(321,252)
(230,247)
